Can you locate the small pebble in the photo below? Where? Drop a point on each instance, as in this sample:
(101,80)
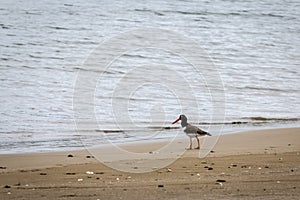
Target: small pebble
(7,186)
(169,170)
(70,173)
(80,179)
(266,166)
(18,184)
(280,159)
(244,166)
(89,156)
(70,156)
(233,165)
(210,168)
(277,181)
(117,179)
(89,172)
(259,168)
(292,170)
(160,186)
(220,181)
(289,144)
(43,174)
(1,167)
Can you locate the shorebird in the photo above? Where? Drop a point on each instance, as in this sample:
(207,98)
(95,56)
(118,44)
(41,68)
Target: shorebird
(190,130)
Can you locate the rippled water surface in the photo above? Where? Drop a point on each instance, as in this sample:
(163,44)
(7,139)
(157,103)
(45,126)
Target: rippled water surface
(254,46)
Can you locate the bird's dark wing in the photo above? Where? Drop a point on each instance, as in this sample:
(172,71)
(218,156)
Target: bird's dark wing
(195,130)
(191,129)
(201,132)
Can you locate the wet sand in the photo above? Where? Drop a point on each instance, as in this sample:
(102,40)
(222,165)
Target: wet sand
(250,165)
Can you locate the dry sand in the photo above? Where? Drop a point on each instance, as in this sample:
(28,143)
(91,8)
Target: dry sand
(249,165)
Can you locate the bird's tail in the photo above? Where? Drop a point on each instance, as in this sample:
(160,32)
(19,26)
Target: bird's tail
(208,134)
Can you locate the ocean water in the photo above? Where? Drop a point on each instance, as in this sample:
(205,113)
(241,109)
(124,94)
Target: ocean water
(253,47)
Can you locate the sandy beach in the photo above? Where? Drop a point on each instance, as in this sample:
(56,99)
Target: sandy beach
(249,165)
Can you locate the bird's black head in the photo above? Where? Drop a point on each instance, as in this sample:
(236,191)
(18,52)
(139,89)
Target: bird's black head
(183,120)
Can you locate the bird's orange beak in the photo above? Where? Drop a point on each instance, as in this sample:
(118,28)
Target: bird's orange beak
(176,120)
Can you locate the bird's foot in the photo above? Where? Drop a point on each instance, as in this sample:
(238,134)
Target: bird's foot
(188,148)
(197,148)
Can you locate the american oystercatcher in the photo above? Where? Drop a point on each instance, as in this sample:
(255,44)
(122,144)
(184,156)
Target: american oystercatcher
(190,130)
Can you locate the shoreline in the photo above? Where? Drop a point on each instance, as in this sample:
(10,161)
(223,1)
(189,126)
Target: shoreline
(226,129)
(223,145)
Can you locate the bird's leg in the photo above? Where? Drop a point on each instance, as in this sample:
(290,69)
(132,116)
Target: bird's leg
(198,143)
(191,143)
